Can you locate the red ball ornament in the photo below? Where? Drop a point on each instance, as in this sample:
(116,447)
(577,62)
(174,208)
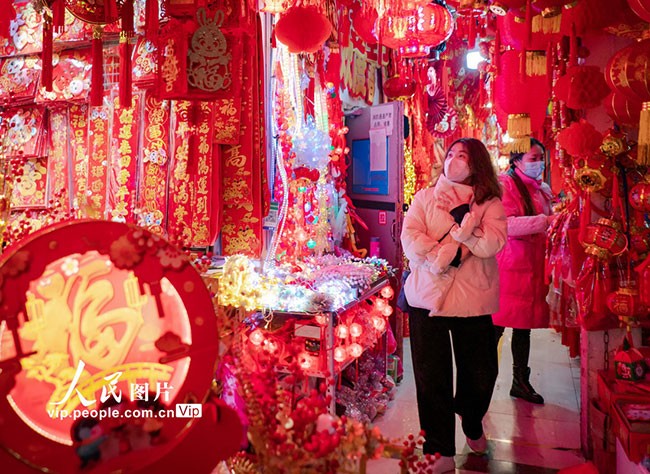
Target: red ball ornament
(399,87)
(580,139)
(624,302)
(364,23)
(640,197)
(303,29)
(604,238)
(582,87)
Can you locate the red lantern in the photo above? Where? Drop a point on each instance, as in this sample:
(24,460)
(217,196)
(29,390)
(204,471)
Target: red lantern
(641,8)
(624,303)
(303,29)
(604,239)
(640,197)
(582,87)
(513,31)
(628,71)
(364,22)
(517,93)
(399,87)
(622,109)
(501,7)
(580,139)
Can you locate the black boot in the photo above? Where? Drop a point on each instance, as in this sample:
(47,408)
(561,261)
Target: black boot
(521,387)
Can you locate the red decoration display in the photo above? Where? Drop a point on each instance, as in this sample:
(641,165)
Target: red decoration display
(501,7)
(582,87)
(364,22)
(580,139)
(303,29)
(628,71)
(622,109)
(399,87)
(640,197)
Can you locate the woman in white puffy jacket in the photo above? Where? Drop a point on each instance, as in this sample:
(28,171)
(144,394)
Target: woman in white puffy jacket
(451,235)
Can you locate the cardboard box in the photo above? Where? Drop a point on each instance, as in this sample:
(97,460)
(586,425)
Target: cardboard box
(634,435)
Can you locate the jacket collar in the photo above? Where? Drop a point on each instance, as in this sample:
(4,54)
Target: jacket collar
(528,181)
(456,193)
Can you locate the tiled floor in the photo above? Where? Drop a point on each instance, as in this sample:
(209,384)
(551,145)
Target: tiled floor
(522,437)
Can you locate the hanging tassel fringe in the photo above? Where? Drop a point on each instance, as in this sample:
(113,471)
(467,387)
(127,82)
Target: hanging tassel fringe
(125,71)
(529,24)
(643,151)
(58,15)
(471,37)
(519,131)
(127,18)
(97,77)
(46,57)
(546,26)
(535,63)
(585,216)
(110,11)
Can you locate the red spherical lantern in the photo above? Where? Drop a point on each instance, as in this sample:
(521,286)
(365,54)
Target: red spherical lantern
(303,29)
(640,197)
(604,238)
(582,87)
(624,303)
(641,8)
(364,22)
(501,7)
(622,109)
(628,71)
(580,139)
(95,12)
(399,87)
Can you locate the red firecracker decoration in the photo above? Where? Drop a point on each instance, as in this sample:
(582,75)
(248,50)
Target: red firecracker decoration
(97,74)
(580,139)
(582,87)
(303,29)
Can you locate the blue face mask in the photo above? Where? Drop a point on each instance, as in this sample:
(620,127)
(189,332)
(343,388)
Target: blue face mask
(533,169)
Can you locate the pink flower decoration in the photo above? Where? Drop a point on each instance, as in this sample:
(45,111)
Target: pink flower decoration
(124,254)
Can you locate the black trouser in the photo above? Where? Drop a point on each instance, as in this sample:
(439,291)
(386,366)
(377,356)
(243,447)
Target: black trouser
(520,345)
(476,373)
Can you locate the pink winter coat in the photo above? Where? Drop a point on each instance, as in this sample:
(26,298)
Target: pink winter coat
(521,262)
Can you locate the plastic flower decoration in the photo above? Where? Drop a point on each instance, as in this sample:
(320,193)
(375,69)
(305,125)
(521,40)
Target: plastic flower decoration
(240,284)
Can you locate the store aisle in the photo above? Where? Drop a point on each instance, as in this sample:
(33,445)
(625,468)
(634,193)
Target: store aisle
(522,437)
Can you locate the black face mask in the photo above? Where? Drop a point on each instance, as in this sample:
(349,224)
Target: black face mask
(459,212)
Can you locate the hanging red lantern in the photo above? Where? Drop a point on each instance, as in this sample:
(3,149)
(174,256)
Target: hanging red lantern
(622,109)
(604,239)
(628,71)
(582,87)
(592,15)
(641,8)
(501,7)
(364,22)
(303,29)
(580,139)
(513,31)
(640,197)
(520,93)
(399,87)
(624,303)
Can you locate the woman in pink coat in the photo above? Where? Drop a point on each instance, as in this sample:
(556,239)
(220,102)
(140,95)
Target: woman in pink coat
(522,292)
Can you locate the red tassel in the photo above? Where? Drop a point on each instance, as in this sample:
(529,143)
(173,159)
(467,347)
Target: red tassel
(471,36)
(193,114)
(110,11)
(529,24)
(585,217)
(152,19)
(97,78)
(549,63)
(46,56)
(125,71)
(127,17)
(573,46)
(497,51)
(58,15)
(7,13)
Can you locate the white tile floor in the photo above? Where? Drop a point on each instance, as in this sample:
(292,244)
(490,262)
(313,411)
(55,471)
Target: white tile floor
(522,437)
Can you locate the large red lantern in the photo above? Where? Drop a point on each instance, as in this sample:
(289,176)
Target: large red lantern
(628,71)
(415,31)
(303,29)
(622,109)
(641,8)
(399,87)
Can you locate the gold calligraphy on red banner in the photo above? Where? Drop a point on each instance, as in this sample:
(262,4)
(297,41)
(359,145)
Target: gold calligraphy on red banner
(78,116)
(98,152)
(57,161)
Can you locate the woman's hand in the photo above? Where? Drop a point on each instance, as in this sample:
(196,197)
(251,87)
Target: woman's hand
(439,262)
(467,226)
